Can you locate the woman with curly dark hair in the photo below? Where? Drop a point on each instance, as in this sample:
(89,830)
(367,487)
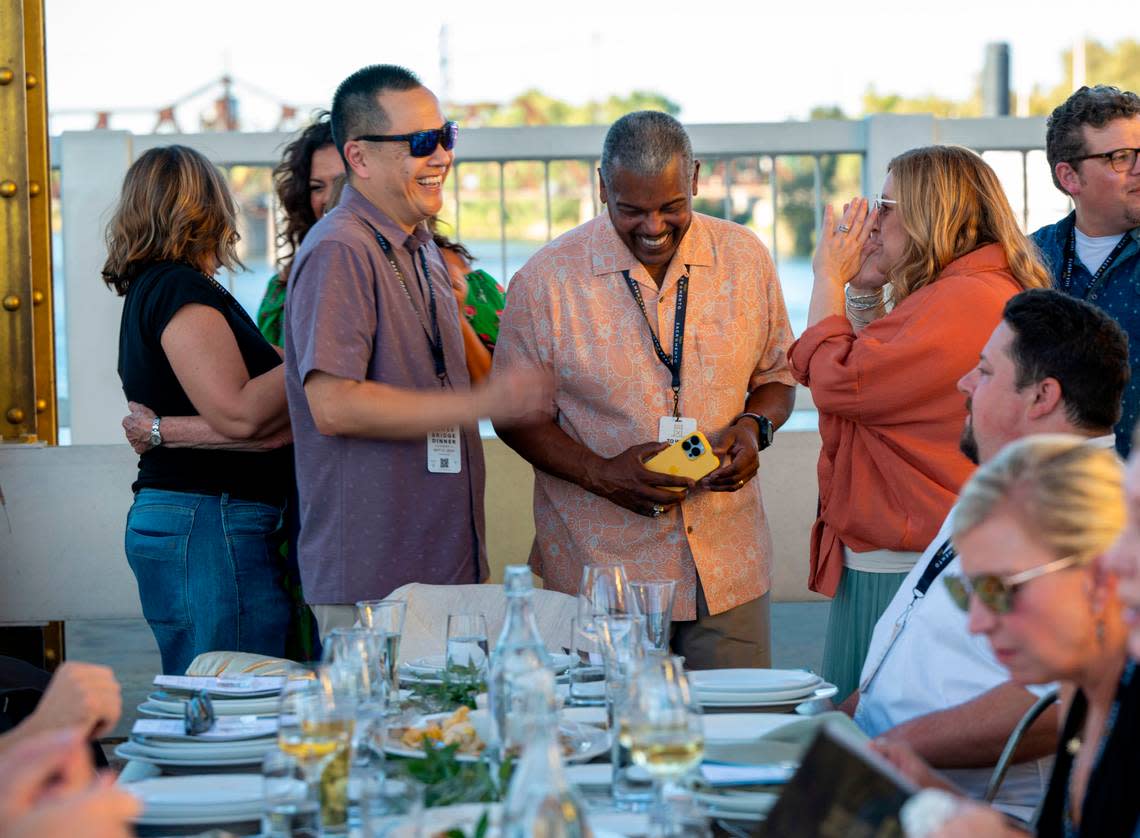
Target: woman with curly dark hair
(303,181)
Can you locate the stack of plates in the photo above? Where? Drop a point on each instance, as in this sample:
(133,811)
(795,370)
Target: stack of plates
(199,799)
(771,688)
(162,704)
(196,754)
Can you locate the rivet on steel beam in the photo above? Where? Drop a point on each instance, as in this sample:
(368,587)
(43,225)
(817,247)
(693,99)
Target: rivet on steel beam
(11,302)
(7,188)
(37,297)
(41,405)
(30,80)
(33,188)
(6,75)
(14,415)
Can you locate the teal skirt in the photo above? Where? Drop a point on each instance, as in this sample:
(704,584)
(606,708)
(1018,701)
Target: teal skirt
(859,602)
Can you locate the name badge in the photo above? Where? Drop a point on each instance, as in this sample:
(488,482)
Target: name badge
(673,429)
(443,453)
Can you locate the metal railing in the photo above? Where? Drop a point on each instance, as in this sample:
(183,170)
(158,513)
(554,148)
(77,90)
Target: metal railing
(92,165)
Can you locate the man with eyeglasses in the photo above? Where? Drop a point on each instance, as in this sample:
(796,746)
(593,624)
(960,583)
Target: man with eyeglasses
(1092,144)
(389,459)
(1053,365)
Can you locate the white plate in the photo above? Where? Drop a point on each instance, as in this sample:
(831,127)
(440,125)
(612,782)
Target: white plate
(799,693)
(131,750)
(595,716)
(222,706)
(432,665)
(734,804)
(752,680)
(224,792)
(197,750)
(824,691)
(728,728)
(593,742)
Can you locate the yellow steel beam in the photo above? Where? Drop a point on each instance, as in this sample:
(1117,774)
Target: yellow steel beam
(27,371)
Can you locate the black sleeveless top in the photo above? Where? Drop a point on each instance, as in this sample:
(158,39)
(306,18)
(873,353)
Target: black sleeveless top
(151,302)
(1112,800)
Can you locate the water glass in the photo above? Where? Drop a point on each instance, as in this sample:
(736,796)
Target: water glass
(289,811)
(385,617)
(587,667)
(655,604)
(391,804)
(467,648)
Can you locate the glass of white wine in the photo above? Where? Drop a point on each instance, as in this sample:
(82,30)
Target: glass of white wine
(664,733)
(315,727)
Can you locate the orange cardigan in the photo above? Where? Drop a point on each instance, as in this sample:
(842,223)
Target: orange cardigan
(890,414)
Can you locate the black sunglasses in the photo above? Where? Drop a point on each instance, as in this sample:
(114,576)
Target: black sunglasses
(421,143)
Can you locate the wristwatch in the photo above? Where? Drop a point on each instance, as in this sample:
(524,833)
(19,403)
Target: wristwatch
(765,426)
(155,433)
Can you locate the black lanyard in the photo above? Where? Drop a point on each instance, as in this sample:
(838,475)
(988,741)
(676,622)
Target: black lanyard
(673,362)
(943,557)
(1071,257)
(231,301)
(434,338)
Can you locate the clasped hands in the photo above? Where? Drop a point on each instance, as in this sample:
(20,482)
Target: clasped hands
(624,479)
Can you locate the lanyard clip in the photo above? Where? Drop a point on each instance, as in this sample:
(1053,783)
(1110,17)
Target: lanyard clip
(676,402)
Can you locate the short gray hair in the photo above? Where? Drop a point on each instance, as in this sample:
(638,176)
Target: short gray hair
(1065,492)
(644,143)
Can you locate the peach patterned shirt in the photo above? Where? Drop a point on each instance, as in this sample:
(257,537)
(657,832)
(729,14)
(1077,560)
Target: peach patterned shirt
(570,312)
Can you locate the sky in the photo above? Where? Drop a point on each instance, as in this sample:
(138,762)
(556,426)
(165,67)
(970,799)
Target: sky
(723,61)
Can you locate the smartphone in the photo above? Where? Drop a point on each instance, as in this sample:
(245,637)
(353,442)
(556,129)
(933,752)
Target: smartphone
(690,457)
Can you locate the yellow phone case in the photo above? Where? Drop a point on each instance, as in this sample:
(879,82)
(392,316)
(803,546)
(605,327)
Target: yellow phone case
(691,457)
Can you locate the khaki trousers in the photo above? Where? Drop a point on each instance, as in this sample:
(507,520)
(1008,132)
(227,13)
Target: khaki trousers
(331,617)
(739,638)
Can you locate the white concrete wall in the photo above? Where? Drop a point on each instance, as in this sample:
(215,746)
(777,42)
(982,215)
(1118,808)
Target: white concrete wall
(63,558)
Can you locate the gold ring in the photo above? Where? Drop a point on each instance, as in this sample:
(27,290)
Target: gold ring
(658,510)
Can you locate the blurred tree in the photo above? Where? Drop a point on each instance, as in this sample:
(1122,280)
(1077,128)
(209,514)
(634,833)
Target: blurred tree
(1117,65)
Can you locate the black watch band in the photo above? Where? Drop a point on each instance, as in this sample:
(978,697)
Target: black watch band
(763,424)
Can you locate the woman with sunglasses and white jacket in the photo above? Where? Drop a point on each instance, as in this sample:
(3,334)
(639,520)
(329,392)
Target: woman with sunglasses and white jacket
(1033,528)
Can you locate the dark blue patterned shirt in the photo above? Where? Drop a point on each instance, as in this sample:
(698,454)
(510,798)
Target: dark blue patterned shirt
(1117,293)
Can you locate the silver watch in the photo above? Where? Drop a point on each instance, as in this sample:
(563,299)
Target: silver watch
(155,433)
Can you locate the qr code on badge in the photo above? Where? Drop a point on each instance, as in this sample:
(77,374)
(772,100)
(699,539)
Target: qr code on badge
(445,462)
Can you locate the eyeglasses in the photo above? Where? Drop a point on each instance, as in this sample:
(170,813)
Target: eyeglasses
(1121,159)
(996,592)
(421,143)
(884,205)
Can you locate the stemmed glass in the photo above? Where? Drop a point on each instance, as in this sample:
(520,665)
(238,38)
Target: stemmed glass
(603,591)
(664,733)
(314,726)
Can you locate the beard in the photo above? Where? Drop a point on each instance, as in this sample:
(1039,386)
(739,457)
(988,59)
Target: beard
(968,445)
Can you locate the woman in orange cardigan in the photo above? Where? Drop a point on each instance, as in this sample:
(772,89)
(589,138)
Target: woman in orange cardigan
(882,370)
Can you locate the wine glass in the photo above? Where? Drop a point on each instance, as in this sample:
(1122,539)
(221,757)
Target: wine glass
(662,728)
(314,726)
(604,590)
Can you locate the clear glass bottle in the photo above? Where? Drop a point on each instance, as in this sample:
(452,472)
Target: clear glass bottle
(519,652)
(541,803)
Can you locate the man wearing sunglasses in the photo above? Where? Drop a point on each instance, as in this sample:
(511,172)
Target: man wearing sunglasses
(389,459)
(1093,146)
(1053,365)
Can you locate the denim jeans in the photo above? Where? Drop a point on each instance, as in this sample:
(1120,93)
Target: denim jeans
(209,574)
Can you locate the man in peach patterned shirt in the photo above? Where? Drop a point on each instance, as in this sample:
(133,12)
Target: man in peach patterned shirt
(583,309)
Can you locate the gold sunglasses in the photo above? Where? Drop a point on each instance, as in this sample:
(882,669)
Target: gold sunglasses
(996,592)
